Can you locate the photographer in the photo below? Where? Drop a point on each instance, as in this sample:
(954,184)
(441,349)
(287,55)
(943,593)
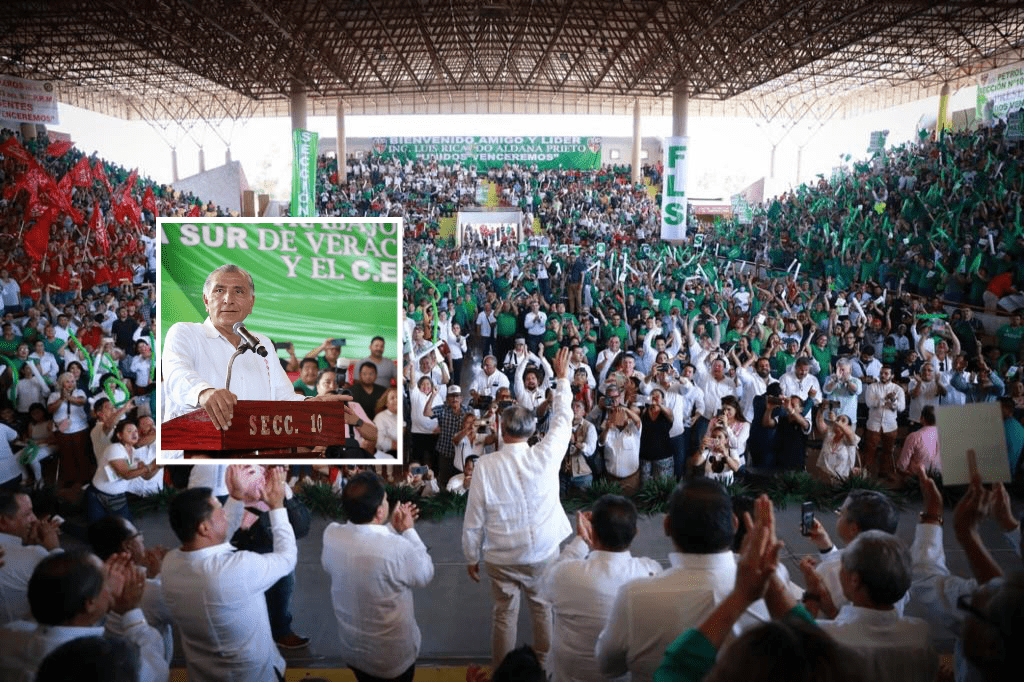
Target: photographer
(620,435)
(656,421)
(715,458)
(580,465)
(838,456)
(472,439)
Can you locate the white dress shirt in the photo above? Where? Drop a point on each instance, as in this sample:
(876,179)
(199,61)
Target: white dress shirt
(649,613)
(891,646)
(388,433)
(536,322)
(215,596)
(828,569)
(9,467)
(693,401)
(791,385)
(26,644)
(485,384)
(622,450)
(929,395)
(195,358)
(373,570)
(19,562)
(880,417)
(845,394)
(418,401)
(106,480)
(47,365)
(751,386)
(581,588)
(713,392)
(513,515)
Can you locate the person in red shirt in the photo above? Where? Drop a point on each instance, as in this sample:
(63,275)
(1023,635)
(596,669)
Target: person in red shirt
(1002,292)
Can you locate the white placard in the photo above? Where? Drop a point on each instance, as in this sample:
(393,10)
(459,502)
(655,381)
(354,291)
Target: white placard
(978,427)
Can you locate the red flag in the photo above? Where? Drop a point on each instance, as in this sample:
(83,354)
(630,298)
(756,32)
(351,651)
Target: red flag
(38,236)
(59,148)
(99,228)
(81,175)
(149,201)
(193,212)
(65,184)
(12,148)
(99,174)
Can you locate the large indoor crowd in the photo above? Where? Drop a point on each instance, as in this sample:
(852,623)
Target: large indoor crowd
(823,335)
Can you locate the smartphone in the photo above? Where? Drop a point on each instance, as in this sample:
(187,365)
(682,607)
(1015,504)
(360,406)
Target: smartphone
(417,471)
(282,345)
(806,518)
(338,342)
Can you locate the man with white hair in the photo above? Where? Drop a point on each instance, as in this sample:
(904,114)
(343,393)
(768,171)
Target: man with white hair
(514,518)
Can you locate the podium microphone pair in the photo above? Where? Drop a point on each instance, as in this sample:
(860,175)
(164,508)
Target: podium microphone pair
(249,339)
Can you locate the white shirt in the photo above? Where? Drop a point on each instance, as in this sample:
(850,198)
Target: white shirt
(828,569)
(752,385)
(195,358)
(791,385)
(19,562)
(880,417)
(11,292)
(929,395)
(140,368)
(69,418)
(581,588)
(215,596)
(890,646)
(418,401)
(845,393)
(649,613)
(26,644)
(622,450)
(536,323)
(106,479)
(485,384)
(31,391)
(713,392)
(9,467)
(373,570)
(47,364)
(513,515)
(388,433)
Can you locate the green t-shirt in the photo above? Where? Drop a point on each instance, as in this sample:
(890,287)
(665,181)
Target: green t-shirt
(506,325)
(1010,338)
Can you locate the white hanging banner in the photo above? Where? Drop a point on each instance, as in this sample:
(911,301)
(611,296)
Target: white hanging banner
(27,101)
(673,195)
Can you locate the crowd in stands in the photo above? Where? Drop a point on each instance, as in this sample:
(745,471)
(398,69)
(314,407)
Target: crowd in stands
(821,336)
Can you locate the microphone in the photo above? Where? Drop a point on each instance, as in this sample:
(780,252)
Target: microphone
(249,339)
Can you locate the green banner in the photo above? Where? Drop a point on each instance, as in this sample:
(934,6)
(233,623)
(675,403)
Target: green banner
(494,151)
(314,280)
(1000,91)
(304,146)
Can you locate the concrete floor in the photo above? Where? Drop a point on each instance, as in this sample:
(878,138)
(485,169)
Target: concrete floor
(454,613)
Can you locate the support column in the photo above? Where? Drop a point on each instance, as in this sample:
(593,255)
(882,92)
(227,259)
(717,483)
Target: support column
(342,146)
(943,121)
(202,160)
(771,165)
(799,162)
(298,106)
(174,164)
(636,141)
(680,105)
(227,156)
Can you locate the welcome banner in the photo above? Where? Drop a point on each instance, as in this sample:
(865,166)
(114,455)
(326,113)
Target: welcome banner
(494,151)
(304,147)
(1002,89)
(28,101)
(314,279)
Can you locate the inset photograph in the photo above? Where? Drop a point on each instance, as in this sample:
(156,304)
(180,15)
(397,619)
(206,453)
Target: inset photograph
(277,340)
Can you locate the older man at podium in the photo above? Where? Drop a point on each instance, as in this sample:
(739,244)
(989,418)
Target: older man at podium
(196,356)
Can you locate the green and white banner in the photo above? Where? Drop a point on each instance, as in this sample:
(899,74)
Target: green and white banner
(315,279)
(304,146)
(494,151)
(1002,90)
(673,195)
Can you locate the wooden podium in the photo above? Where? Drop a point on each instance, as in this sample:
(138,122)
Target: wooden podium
(258,428)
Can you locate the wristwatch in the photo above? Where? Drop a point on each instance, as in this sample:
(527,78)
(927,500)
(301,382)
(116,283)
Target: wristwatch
(359,423)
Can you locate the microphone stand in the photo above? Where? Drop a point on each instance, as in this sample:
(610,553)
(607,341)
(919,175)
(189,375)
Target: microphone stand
(242,347)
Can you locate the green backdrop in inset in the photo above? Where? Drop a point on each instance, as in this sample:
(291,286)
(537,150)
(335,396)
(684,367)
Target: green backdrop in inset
(315,278)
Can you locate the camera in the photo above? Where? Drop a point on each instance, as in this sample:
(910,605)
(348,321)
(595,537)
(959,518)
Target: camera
(664,367)
(418,471)
(337,343)
(806,518)
(609,402)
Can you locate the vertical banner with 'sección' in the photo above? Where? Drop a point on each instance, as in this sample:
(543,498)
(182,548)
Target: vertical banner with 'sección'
(304,147)
(673,196)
